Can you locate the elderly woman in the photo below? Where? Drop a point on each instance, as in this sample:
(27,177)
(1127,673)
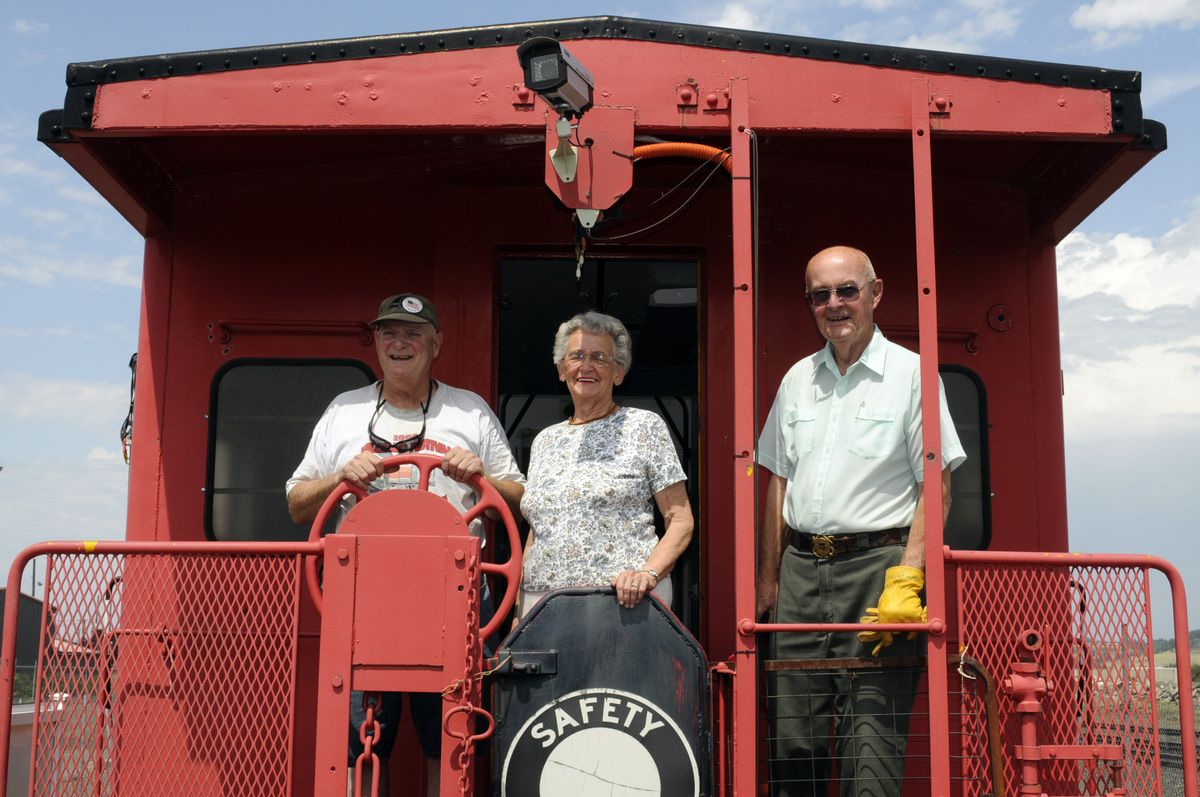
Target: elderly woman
(592,479)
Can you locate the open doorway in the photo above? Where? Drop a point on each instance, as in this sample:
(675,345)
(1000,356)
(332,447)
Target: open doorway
(656,299)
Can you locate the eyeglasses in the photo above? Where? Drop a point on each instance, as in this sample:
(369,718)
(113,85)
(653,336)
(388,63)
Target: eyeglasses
(398,446)
(574,359)
(821,296)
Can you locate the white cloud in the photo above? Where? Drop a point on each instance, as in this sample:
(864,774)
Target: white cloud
(28,27)
(66,403)
(83,195)
(1158,88)
(1113,23)
(98,454)
(873,5)
(45,263)
(45,216)
(735,15)
(1130,325)
(967,26)
(82,500)
(18,332)
(1143,272)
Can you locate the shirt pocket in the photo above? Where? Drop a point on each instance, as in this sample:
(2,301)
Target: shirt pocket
(876,432)
(799,425)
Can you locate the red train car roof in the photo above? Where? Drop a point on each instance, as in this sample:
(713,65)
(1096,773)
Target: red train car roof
(1072,134)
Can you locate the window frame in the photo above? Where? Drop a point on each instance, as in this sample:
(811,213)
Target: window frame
(214,419)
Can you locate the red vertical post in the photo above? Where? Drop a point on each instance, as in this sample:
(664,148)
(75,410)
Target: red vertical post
(334,676)
(745,687)
(144,505)
(935,571)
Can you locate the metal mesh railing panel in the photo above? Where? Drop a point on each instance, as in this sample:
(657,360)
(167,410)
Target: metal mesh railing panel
(167,674)
(1096,652)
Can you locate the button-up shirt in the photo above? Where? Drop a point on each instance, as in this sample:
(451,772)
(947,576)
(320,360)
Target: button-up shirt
(850,444)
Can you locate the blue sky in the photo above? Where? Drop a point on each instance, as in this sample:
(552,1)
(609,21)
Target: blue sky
(1130,276)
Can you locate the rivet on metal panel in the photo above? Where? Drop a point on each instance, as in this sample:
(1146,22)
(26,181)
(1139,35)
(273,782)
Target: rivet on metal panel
(866,56)
(471,41)
(835,97)
(941,104)
(1062,102)
(836,53)
(787,48)
(374,95)
(283,57)
(687,95)
(336,681)
(145,94)
(459,555)
(804,49)
(710,99)
(652,33)
(951,66)
(228,63)
(199,66)
(343,554)
(1037,75)
(442,43)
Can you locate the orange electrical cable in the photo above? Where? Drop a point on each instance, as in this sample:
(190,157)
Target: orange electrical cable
(684,150)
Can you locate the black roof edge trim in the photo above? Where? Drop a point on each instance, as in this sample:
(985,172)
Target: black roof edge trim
(50,128)
(1154,136)
(602,27)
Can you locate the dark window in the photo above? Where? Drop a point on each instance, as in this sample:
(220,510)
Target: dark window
(969,526)
(262,416)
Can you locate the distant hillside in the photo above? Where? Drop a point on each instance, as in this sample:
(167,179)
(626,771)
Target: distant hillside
(1163,645)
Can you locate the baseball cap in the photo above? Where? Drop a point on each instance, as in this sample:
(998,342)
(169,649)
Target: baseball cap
(408,307)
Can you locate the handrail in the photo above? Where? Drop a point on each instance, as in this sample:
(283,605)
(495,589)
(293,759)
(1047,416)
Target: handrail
(1187,715)
(12,597)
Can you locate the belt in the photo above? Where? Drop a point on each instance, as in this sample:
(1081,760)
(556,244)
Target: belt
(826,546)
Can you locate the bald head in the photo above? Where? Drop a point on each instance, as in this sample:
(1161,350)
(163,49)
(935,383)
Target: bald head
(841,256)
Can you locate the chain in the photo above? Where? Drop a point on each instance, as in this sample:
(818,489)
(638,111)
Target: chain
(367,734)
(470,686)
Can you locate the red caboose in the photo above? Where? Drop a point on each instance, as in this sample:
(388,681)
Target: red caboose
(282,190)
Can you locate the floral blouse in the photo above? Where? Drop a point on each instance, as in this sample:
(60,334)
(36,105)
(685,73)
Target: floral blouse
(589,498)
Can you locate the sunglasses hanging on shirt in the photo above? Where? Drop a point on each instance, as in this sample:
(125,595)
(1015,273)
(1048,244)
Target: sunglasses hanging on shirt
(408,444)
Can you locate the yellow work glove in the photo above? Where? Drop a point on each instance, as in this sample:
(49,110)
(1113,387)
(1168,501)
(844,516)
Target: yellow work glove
(899,603)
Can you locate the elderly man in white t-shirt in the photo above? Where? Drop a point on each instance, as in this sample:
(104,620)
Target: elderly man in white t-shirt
(843,536)
(408,411)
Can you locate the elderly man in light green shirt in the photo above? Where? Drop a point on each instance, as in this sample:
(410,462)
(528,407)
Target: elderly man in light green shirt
(842,537)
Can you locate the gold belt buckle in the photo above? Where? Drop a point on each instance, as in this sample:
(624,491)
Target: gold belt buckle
(822,546)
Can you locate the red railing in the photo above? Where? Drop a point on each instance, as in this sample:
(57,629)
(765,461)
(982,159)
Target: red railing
(161,665)
(1055,668)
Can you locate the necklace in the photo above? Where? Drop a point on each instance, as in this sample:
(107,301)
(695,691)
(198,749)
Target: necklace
(573,422)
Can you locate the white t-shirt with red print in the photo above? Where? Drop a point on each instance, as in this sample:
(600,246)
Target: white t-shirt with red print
(456,418)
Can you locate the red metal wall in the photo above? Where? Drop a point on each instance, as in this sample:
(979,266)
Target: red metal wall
(327,243)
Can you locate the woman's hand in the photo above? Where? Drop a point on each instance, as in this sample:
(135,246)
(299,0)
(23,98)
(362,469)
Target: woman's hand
(632,586)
